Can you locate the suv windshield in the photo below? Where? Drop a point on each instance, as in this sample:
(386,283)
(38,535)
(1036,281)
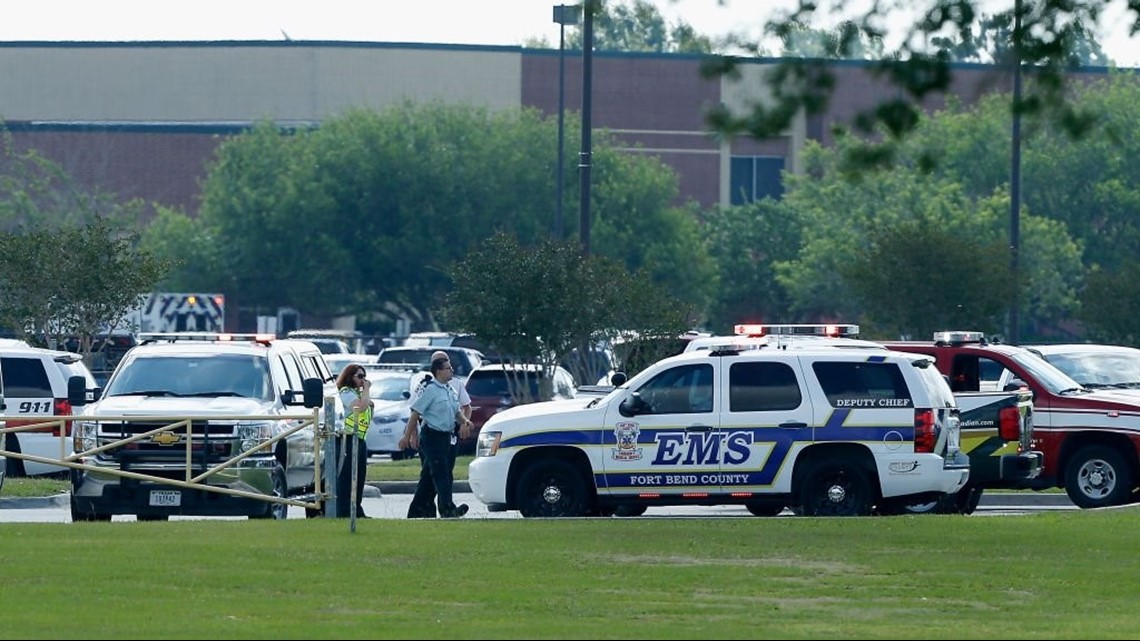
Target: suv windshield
(199,375)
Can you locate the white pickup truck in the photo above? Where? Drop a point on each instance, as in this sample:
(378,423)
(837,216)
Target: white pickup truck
(824,431)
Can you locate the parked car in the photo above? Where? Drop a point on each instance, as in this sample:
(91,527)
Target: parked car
(390,395)
(497,387)
(35,383)
(463,359)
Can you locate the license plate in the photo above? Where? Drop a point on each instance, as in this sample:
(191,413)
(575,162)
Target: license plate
(165,498)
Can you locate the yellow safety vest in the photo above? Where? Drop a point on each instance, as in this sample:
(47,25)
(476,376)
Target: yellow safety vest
(356,422)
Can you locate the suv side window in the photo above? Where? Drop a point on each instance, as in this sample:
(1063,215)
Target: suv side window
(844,382)
(25,377)
(686,389)
(292,370)
(762,387)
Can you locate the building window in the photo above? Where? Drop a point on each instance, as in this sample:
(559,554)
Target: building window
(756,177)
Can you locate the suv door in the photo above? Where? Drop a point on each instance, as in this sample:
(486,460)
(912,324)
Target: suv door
(672,445)
(765,412)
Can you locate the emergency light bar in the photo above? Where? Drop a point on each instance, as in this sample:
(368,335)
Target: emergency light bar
(958,337)
(834,331)
(213,337)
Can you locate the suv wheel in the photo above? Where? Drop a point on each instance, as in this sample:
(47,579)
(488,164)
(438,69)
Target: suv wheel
(77,515)
(552,488)
(835,488)
(764,508)
(15,466)
(1098,476)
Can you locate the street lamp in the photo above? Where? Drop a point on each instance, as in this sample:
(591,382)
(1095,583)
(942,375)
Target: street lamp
(563,15)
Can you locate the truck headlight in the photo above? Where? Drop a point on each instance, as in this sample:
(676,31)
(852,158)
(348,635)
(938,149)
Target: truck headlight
(84,435)
(488,443)
(253,433)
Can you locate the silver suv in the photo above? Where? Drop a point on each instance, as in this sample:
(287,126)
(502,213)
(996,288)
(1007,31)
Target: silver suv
(201,375)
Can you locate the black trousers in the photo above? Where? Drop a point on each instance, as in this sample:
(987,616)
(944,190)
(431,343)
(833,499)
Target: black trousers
(344,464)
(437,463)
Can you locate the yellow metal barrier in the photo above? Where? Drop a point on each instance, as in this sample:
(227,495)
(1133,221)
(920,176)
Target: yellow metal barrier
(172,424)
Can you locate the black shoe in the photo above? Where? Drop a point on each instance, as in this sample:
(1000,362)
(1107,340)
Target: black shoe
(459,511)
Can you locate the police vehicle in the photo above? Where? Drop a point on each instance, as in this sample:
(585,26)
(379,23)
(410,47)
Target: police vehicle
(823,431)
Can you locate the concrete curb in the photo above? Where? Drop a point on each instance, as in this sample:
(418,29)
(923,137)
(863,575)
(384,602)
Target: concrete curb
(34,502)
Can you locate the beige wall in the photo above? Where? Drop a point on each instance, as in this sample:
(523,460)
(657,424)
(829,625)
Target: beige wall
(737,95)
(170,83)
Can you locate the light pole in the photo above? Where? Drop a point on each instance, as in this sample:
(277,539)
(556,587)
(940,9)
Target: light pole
(563,14)
(1014,336)
(586,154)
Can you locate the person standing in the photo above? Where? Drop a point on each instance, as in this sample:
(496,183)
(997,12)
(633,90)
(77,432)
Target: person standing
(351,449)
(426,510)
(431,430)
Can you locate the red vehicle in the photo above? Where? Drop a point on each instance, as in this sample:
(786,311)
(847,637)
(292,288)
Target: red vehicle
(497,387)
(1090,439)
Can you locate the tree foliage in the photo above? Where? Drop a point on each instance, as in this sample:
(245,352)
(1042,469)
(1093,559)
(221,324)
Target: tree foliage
(70,263)
(916,278)
(1111,304)
(638,26)
(840,217)
(72,282)
(548,300)
(746,242)
(1048,38)
(370,211)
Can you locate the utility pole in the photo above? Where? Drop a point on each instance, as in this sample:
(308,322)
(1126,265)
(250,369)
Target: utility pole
(1014,336)
(585,155)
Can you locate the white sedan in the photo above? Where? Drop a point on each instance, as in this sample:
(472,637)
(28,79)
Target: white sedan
(389,393)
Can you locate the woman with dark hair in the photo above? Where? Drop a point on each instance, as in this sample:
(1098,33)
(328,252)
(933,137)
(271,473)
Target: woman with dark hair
(351,450)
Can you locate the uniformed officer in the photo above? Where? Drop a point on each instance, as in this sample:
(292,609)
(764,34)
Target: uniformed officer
(430,430)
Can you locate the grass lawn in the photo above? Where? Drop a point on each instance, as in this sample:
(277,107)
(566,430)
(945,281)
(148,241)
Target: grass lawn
(1056,575)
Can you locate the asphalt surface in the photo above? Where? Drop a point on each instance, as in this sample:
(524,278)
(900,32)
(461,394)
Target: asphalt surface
(400,492)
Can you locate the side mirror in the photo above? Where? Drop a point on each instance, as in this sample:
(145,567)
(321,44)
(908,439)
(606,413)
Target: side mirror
(314,393)
(632,405)
(1015,384)
(618,379)
(77,391)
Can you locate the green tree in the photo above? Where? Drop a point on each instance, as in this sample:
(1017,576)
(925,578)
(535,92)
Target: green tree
(70,264)
(990,39)
(1111,304)
(1048,39)
(916,278)
(548,300)
(638,26)
(1088,184)
(845,42)
(839,216)
(746,243)
(73,281)
(370,211)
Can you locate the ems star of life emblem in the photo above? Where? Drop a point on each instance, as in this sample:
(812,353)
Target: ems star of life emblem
(626,434)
